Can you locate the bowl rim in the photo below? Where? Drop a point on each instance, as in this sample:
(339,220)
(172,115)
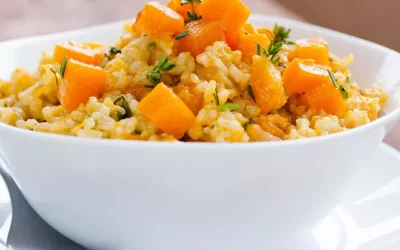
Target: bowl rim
(381,121)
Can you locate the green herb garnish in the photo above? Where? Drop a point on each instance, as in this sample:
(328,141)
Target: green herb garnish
(341,88)
(55,75)
(333,79)
(271,53)
(121,101)
(228,107)
(216,97)
(63,66)
(348,79)
(181,35)
(344,92)
(251,93)
(114,51)
(193,16)
(281,35)
(163,66)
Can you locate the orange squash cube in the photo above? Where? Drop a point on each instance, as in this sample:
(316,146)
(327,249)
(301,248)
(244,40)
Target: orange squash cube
(159,19)
(182,9)
(328,98)
(267,32)
(249,28)
(267,85)
(313,48)
(301,76)
(80,82)
(232,13)
(167,111)
(200,36)
(88,53)
(248,45)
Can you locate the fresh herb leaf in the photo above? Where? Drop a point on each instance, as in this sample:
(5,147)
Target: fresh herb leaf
(228,107)
(121,101)
(216,97)
(250,91)
(341,88)
(181,35)
(348,79)
(333,79)
(281,35)
(167,67)
(344,92)
(250,121)
(120,116)
(114,51)
(271,53)
(193,16)
(162,66)
(152,45)
(154,77)
(63,66)
(55,75)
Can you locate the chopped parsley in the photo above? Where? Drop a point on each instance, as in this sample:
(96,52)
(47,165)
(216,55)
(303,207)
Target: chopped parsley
(344,92)
(193,16)
(114,51)
(348,79)
(341,88)
(271,53)
(181,35)
(228,107)
(55,75)
(216,97)
(162,66)
(63,66)
(333,79)
(281,35)
(121,101)
(251,93)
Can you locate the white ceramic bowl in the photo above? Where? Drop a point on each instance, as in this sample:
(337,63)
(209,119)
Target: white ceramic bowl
(156,196)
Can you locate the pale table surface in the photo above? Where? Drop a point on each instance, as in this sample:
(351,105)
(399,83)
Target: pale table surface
(24,18)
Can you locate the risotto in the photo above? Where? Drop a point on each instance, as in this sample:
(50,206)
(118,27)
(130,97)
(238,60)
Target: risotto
(191,71)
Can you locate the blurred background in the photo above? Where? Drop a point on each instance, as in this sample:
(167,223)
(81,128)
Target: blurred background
(370,19)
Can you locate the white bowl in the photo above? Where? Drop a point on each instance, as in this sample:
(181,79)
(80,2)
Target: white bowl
(155,196)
